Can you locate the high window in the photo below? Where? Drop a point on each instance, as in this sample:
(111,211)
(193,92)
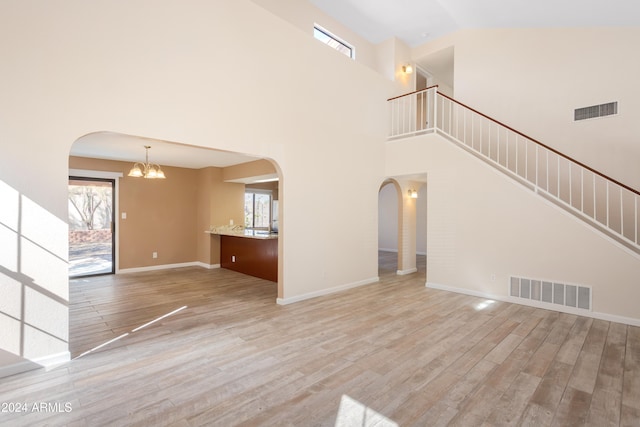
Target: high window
(257,209)
(327,38)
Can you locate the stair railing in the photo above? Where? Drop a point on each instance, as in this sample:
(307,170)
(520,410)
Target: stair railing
(605,203)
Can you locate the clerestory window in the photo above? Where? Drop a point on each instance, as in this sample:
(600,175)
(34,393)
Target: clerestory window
(327,38)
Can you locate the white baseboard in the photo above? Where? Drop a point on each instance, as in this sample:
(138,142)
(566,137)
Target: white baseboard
(207,266)
(17,368)
(47,362)
(167,266)
(555,307)
(53,360)
(407,271)
(396,251)
(291,300)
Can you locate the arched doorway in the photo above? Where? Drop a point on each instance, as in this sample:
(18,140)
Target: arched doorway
(402,225)
(163,223)
(389,208)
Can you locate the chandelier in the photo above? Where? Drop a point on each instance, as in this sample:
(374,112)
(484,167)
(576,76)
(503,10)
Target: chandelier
(146,169)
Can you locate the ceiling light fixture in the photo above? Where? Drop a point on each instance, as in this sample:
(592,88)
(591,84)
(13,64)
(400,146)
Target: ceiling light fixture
(146,169)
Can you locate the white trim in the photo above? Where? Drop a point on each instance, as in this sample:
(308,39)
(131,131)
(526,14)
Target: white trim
(207,266)
(396,251)
(336,38)
(167,266)
(328,291)
(407,271)
(53,360)
(47,362)
(532,303)
(82,173)
(18,368)
(258,190)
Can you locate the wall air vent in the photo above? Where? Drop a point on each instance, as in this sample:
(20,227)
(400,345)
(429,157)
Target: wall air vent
(594,111)
(543,291)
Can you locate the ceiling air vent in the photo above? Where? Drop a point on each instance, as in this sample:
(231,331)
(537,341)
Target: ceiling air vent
(596,111)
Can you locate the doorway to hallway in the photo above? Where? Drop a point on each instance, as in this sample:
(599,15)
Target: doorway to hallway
(91,226)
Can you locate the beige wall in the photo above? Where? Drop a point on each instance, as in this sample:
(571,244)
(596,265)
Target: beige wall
(161,214)
(304,14)
(256,168)
(271,186)
(227,201)
(483,227)
(170,216)
(206,249)
(386,58)
(388,220)
(224,203)
(533,79)
(158,69)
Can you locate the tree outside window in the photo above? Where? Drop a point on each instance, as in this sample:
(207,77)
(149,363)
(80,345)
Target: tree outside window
(257,210)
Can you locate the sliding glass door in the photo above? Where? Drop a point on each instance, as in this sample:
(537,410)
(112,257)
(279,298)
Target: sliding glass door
(91,226)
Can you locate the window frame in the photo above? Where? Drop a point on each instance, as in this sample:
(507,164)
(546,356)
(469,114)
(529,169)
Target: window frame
(255,191)
(335,38)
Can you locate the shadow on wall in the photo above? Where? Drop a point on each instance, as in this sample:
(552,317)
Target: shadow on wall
(34,287)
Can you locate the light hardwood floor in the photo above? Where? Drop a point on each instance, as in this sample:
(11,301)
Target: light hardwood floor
(417,356)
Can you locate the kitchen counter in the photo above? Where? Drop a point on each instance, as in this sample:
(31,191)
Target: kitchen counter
(252,252)
(239,231)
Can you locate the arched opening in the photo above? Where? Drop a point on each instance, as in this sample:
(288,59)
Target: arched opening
(164,224)
(389,227)
(402,225)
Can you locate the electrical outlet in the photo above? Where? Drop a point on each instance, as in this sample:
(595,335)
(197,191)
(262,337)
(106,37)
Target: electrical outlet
(233,258)
(154,255)
(493,277)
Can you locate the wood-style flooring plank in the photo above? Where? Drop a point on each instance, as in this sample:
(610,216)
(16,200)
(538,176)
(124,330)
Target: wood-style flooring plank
(394,349)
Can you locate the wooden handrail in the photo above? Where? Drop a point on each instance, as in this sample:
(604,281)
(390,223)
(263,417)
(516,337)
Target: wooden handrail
(600,174)
(411,93)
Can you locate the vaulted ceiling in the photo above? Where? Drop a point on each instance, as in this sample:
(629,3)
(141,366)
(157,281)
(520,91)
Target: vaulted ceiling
(418,21)
(413,21)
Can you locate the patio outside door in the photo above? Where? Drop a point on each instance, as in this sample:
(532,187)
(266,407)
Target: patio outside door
(91,226)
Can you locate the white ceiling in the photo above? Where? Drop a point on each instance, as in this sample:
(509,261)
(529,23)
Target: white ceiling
(116,146)
(417,21)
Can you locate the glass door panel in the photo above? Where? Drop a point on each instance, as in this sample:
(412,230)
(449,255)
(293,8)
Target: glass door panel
(91,221)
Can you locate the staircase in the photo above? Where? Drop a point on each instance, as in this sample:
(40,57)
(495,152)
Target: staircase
(604,203)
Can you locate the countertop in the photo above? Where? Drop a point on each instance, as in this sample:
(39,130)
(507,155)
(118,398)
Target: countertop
(239,231)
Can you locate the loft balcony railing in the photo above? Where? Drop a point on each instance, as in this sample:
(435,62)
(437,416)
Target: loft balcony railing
(596,198)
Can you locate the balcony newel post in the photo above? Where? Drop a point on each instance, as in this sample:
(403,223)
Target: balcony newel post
(435,108)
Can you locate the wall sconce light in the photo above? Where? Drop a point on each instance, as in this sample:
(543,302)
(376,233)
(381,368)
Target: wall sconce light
(413,194)
(407,69)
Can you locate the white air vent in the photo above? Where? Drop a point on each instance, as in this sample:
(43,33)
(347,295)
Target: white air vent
(595,111)
(551,292)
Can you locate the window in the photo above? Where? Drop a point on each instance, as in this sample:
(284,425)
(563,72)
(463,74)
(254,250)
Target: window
(257,209)
(327,38)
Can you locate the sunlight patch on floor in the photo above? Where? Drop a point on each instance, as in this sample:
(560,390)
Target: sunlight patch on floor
(132,331)
(353,413)
(484,304)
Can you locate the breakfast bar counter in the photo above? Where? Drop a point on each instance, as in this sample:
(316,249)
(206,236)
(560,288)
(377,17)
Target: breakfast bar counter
(252,252)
